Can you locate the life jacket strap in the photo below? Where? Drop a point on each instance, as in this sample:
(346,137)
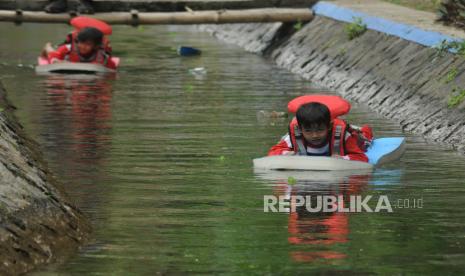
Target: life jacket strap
(106,57)
(301,149)
(337,140)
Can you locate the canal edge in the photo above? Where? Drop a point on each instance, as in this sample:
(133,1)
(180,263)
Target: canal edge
(39,224)
(397,70)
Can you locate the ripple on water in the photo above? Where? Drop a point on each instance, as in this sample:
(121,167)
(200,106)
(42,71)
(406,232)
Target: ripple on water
(161,163)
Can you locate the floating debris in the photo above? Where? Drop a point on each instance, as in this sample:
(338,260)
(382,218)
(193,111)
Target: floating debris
(271,114)
(199,72)
(188,51)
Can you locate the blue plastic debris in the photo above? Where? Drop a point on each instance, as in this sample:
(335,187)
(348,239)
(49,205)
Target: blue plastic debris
(188,51)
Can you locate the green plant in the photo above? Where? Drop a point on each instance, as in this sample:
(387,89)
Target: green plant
(455,46)
(441,49)
(297,26)
(356,28)
(189,88)
(451,75)
(456,98)
(458,46)
(291,180)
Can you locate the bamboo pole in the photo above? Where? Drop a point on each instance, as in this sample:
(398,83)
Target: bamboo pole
(175,18)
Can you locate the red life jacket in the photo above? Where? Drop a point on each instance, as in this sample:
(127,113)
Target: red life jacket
(336,143)
(71,38)
(100,57)
(81,22)
(337,107)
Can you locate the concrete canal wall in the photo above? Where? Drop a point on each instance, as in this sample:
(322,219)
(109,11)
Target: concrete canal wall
(38,224)
(392,67)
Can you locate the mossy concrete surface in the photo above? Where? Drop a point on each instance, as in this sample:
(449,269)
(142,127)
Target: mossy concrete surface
(38,224)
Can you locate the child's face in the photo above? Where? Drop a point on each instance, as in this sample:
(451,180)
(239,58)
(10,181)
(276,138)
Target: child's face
(86,48)
(316,135)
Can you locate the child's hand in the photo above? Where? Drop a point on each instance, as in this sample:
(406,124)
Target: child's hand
(345,157)
(288,153)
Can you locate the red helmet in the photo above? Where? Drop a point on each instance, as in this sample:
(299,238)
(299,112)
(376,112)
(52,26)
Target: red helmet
(337,106)
(81,22)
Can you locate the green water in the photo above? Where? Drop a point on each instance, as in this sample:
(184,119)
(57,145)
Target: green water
(161,162)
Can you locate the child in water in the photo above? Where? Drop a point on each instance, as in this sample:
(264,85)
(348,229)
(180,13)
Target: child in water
(314,133)
(87,48)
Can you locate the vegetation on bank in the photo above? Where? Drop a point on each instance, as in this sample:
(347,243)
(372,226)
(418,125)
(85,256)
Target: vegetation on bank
(356,28)
(457,97)
(452,12)
(457,47)
(457,94)
(449,11)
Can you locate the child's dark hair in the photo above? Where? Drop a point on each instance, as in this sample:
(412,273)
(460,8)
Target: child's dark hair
(90,34)
(313,114)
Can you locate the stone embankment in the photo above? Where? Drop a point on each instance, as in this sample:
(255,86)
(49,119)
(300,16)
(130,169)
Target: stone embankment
(38,223)
(405,80)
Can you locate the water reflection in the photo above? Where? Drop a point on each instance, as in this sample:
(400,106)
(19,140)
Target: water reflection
(313,231)
(78,123)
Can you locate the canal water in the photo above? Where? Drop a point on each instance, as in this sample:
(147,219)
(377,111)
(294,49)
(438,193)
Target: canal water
(160,160)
